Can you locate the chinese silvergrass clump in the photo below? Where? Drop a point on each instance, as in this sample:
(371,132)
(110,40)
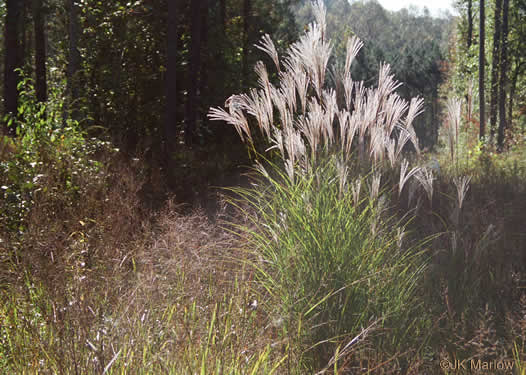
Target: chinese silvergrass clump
(327,255)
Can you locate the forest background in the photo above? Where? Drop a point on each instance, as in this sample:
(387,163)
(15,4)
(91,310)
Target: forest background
(111,220)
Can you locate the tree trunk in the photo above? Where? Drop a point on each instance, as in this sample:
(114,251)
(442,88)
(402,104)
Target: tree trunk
(73,70)
(12,57)
(495,70)
(222,16)
(220,61)
(503,75)
(434,112)
(246,35)
(482,103)
(203,79)
(25,37)
(470,23)
(40,51)
(516,74)
(170,126)
(193,76)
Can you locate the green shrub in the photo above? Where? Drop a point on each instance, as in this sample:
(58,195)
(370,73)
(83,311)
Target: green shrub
(50,156)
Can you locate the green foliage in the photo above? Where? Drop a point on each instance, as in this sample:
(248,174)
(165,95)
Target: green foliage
(330,265)
(462,68)
(330,261)
(49,158)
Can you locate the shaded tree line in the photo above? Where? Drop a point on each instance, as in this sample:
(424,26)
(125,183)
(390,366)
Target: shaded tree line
(496,60)
(142,72)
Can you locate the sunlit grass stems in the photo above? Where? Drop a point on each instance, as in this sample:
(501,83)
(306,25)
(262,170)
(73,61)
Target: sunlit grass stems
(325,249)
(330,264)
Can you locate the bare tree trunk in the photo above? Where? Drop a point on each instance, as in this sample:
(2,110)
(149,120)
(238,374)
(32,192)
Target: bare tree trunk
(170,125)
(193,76)
(495,70)
(25,36)
(482,103)
(203,79)
(73,70)
(503,75)
(40,51)
(434,112)
(12,57)
(222,13)
(246,30)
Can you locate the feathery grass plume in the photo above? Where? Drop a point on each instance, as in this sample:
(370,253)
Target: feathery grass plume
(355,188)
(343,78)
(403,137)
(354,45)
(281,103)
(400,235)
(378,118)
(391,152)
(348,85)
(394,109)
(343,122)
(415,108)
(288,90)
(267,45)
(330,108)
(256,105)
(320,15)
(233,117)
(375,185)
(403,176)
(454,107)
(277,141)
(462,184)
(425,177)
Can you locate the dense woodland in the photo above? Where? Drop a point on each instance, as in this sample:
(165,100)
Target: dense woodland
(257,186)
(145,73)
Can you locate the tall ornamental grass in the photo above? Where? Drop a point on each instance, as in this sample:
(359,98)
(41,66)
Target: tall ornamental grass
(331,262)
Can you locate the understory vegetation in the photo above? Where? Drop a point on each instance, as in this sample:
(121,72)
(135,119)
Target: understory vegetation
(347,249)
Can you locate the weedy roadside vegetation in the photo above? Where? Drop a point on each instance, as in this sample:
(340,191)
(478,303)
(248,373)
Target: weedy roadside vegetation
(348,253)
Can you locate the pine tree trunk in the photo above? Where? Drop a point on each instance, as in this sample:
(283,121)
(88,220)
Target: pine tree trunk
(495,70)
(203,79)
(482,103)
(170,126)
(222,15)
(74,60)
(193,76)
(246,37)
(40,51)
(12,54)
(24,35)
(503,76)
